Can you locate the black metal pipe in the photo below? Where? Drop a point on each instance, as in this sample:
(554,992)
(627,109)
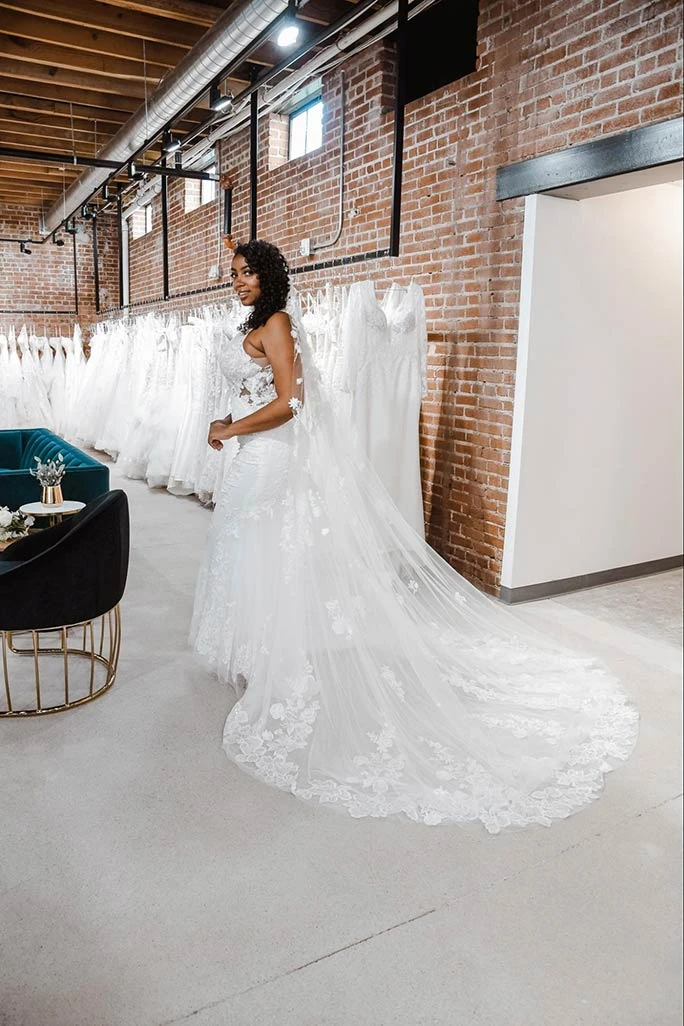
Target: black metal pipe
(322,265)
(73,241)
(96,267)
(165,236)
(228,210)
(116,165)
(29,242)
(398,147)
(120,230)
(253,162)
(313,44)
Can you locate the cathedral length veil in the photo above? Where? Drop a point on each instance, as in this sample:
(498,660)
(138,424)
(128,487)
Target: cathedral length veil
(380,681)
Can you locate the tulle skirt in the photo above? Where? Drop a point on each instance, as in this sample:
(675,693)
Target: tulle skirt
(371,675)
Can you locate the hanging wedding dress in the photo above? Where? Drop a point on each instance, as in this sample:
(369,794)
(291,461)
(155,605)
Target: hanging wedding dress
(9,388)
(35,400)
(383,372)
(57,387)
(374,676)
(14,381)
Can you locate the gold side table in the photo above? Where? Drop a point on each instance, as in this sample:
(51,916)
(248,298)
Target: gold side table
(54,513)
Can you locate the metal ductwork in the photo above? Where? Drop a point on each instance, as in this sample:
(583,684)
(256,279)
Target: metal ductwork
(226,40)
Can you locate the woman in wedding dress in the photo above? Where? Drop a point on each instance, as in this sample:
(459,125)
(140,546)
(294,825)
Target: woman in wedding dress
(371,675)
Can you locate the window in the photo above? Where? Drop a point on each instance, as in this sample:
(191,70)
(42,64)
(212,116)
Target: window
(141,221)
(306,129)
(200,191)
(208,187)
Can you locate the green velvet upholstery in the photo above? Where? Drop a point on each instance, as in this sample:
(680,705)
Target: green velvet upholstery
(84,478)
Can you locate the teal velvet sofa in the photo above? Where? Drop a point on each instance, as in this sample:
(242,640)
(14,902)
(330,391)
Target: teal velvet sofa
(84,477)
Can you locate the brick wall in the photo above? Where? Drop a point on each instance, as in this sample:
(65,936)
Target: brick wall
(44,280)
(550,75)
(195,247)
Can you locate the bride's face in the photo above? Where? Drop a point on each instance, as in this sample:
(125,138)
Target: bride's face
(245,281)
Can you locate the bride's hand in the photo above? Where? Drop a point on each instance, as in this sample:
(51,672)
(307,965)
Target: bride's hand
(218,431)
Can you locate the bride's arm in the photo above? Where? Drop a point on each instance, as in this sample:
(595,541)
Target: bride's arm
(278,345)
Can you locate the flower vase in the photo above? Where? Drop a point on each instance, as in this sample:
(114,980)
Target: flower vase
(52,495)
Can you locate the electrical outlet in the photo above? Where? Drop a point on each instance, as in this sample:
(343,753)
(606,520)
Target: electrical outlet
(305,247)
(214,271)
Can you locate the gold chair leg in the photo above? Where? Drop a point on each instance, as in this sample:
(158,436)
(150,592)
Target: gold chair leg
(96,654)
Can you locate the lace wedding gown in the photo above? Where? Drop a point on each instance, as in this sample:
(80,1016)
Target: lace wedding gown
(372,675)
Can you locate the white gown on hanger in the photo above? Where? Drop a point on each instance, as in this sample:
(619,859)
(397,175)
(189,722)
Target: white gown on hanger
(375,677)
(382,370)
(9,388)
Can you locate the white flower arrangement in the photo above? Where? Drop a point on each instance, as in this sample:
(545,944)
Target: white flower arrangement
(13,525)
(50,473)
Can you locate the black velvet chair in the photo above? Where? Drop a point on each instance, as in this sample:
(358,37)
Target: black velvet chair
(60,581)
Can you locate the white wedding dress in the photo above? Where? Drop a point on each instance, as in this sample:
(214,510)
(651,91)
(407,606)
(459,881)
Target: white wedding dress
(371,675)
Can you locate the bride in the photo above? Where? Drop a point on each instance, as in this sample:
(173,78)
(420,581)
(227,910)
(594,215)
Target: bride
(371,675)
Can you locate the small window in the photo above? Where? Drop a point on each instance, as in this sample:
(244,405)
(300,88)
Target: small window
(141,221)
(208,187)
(306,129)
(199,191)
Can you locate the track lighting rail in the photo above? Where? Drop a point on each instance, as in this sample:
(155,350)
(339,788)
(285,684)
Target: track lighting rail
(71,158)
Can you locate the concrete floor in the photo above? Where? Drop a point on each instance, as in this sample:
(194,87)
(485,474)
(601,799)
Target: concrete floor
(145,881)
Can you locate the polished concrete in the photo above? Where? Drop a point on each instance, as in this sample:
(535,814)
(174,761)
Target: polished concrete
(145,881)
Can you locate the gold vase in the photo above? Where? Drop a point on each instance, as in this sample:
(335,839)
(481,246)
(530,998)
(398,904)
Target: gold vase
(52,495)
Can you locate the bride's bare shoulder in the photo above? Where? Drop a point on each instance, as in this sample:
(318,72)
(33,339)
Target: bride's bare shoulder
(278,327)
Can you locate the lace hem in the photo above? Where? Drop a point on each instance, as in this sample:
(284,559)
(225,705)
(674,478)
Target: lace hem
(463,790)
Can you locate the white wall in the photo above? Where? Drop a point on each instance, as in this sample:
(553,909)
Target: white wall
(596,462)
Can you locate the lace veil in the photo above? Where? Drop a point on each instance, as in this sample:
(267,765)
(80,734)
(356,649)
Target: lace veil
(387,683)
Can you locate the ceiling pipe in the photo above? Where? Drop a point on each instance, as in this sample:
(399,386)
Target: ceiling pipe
(232,33)
(385,20)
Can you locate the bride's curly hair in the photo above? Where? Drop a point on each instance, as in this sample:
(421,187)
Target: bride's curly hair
(270,266)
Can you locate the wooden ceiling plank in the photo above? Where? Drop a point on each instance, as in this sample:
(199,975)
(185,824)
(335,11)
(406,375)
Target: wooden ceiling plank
(74,37)
(192,11)
(103,16)
(39,96)
(78,97)
(23,136)
(26,130)
(43,54)
(58,77)
(34,167)
(31,181)
(60,115)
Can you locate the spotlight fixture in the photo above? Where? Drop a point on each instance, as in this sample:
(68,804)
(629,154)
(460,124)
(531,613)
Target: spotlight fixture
(56,241)
(217,102)
(23,248)
(289,33)
(169,143)
(70,226)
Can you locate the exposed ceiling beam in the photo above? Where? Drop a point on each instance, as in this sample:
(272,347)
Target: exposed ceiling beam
(112,19)
(192,11)
(63,95)
(61,121)
(39,96)
(60,115)
(75,37)
(22,181)
(21,137)
(58,77)
(79,60)
(27,131)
